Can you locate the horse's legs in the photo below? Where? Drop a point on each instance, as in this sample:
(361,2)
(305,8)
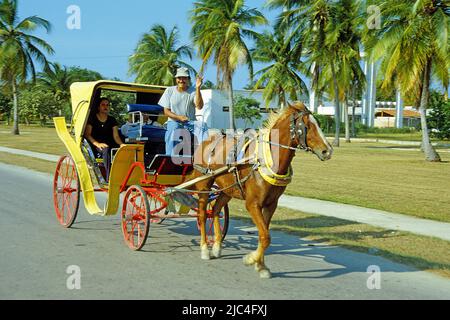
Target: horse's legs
(202,203)
(221,201)
(257,257)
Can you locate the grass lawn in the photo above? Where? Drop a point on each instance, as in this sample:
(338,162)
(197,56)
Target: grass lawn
(412,136)
(377,176)
(33,138)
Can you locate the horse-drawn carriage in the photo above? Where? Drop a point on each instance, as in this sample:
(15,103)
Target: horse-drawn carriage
(140,170)
(254,167)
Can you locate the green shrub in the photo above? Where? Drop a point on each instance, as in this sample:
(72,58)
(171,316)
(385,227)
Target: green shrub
(439,118)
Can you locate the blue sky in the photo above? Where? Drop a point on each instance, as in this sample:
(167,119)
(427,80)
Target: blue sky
(110,31)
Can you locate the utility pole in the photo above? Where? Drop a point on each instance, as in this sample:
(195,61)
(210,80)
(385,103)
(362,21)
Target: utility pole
(372,84)
(398,110)
(313,101)
(365,96)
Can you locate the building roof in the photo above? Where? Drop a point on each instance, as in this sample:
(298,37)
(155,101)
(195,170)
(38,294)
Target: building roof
(391,113)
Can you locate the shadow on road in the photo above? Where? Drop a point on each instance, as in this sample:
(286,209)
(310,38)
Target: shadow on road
(243,238)
(182,236)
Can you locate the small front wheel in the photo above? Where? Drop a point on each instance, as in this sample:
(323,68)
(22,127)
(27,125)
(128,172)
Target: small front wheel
(135,217)
(66,191)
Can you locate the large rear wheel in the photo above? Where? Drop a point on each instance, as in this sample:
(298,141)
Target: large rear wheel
(66,191)
(135,217)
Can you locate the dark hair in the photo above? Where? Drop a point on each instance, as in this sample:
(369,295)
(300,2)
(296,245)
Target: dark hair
(103,98)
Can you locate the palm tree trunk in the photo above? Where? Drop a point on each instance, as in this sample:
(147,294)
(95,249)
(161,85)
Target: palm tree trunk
(231,101)
(347,121)
(430,153)
(337,112)
(15,129)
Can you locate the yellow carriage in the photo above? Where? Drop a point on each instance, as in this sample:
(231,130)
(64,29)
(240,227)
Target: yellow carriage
(137,171)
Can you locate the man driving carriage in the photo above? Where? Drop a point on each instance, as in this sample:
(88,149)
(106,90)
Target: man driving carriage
(180,103)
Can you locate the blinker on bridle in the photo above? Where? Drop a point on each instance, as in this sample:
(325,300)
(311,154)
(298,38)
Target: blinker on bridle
(298,130)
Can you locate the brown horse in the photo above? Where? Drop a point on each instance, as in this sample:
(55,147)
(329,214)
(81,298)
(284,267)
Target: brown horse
(261,177)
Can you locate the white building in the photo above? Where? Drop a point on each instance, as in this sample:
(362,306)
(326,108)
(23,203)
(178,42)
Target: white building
(215,110)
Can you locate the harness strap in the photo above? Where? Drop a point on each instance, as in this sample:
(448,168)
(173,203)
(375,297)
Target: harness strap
(265,170)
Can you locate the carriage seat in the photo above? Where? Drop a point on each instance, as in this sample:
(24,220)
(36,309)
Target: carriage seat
(138,129)
(144,132)
(170,165)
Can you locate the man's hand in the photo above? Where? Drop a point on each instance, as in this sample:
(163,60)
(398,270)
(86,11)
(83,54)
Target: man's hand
(198,81)
(183,118)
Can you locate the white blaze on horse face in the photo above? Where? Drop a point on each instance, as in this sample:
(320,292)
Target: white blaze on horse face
(319,130)
(324,140)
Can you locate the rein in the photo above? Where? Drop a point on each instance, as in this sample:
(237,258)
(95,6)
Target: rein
(299,148)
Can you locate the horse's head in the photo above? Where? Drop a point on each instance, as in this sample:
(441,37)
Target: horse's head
(306,133)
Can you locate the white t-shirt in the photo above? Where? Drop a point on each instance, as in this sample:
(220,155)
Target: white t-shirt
(180,103)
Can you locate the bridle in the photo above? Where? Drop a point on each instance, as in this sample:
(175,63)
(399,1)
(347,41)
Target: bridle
(298,132)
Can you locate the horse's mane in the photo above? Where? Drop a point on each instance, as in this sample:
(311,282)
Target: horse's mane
(274,116)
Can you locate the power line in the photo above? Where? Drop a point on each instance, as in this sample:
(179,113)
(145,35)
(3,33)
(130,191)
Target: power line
(96,57)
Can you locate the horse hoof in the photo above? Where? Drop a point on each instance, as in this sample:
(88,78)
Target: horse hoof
(265,274)
(205,254)
(217,251)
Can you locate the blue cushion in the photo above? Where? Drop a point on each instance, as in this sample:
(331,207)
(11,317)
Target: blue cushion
(153,133)
(146,108)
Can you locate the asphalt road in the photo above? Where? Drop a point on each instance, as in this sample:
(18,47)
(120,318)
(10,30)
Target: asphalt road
(35,255)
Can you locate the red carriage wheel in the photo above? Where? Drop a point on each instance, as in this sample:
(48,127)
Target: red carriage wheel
(224,216)
(135,217)
(156,206)
(66,191)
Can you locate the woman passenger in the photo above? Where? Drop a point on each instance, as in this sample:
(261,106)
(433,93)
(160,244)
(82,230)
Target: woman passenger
(102,132)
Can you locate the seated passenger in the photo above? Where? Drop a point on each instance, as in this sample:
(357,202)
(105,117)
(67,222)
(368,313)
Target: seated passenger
(102,132)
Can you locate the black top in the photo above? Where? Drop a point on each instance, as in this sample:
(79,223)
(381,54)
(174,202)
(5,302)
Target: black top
(103,131)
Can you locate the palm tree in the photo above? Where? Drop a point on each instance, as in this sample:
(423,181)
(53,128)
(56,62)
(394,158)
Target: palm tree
(219,28)
(282,51)
(412,45)
(57,79)
(329,31)
(19,50)
(312,20)
(343,42)
(157,56)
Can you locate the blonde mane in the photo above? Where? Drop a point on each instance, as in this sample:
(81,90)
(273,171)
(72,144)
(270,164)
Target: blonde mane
(274,116)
